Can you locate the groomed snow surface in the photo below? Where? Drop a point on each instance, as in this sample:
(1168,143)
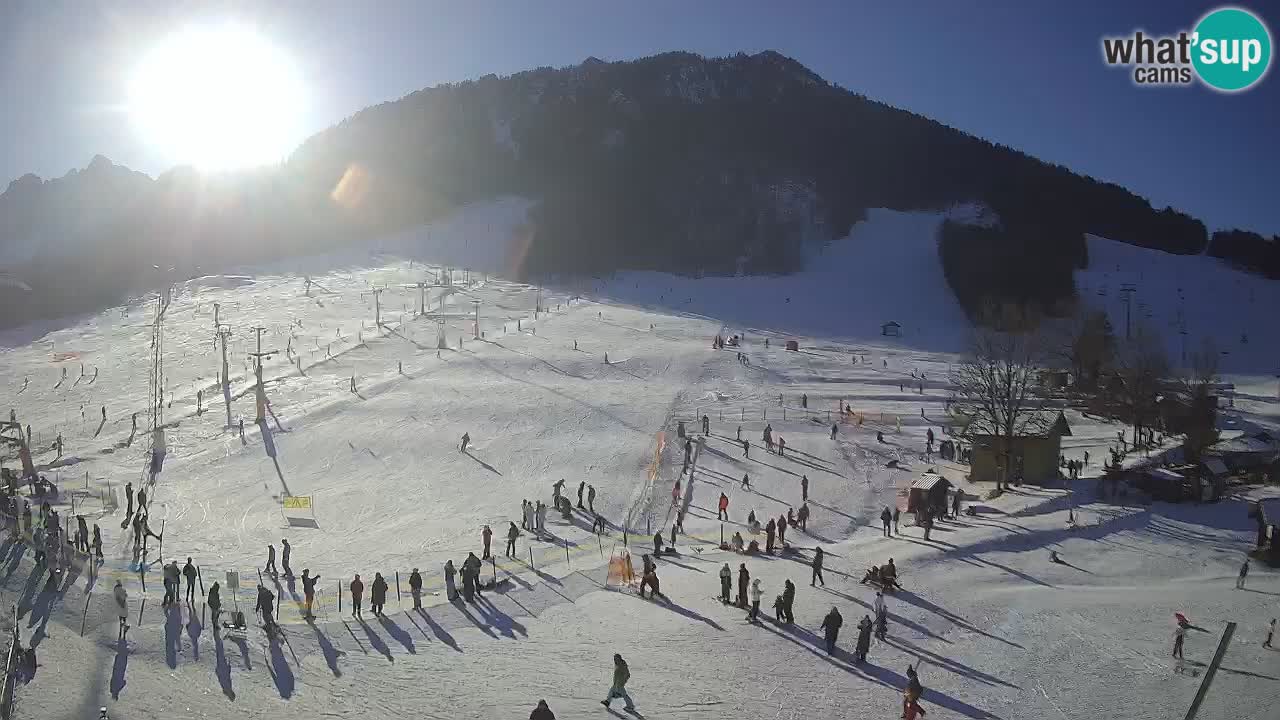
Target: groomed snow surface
(998,630)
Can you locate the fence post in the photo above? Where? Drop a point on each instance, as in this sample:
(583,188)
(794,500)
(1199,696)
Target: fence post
(722,533)
(339,597)
(399,600)
(566,553)
(531,567)
(744,414)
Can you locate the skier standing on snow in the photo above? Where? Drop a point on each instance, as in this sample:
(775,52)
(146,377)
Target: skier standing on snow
(804,488)
(415,588)
(1179,634)
(450,589)
(831,625)
(189,572)
(266,603)
(834,428)
(582,486)
(885,518)
(743,578)
(746,449)
(378,594)
(128,498)
(285,550)
(746,482)
(591,499)
(782,531)
(768,536)
(556,489)
(723,512)
(308,592)
(122,607)
(756,592)
(466,439)
(726,581)
(802,517)
(896,514)
(97,541)
(788,600)
(357,592)
(817,567)
(706,425)
(487,535)
(270,569)
(215,602)
(621,674)
(864,640)
(1244,572)
(512,533)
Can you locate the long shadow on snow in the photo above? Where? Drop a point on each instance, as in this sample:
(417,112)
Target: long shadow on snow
(281,673)
(441,634)
(499,620)
(948,664)
(912,598)
(483,464)
(894,617)
(398,633)
(375,640)
(221,668)
(330,652)
(118,669)
(669,604)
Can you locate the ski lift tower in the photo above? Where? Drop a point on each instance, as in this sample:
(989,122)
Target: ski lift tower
(258,357)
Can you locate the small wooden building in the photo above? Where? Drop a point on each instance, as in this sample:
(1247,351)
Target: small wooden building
(1032,457)
(793,346)
(928,491)
(891,329)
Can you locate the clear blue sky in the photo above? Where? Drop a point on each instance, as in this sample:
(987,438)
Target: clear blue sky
(1023,73)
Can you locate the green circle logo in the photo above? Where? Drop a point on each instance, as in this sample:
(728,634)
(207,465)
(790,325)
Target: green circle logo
(1231,49)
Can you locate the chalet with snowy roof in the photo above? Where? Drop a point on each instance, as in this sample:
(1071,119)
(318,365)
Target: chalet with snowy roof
(891,329)
(1032,456)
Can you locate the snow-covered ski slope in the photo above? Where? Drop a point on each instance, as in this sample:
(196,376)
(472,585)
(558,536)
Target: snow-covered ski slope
(1000,631)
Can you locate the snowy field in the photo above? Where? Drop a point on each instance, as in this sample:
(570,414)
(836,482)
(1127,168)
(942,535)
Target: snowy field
(998,631)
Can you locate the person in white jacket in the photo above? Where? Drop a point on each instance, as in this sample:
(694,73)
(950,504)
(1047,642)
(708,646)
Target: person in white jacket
(122,604)
(879,603)
(756,592)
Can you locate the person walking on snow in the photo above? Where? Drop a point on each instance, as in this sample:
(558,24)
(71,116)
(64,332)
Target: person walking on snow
(270,569)
(831,627)
(1244,572)
(512,533)
(122,608)
(97,541)
(542,517)
(726,582)
(189,572)
(746,448)
(782,531)
(285,550)
(466,440)
(768,536)
(802,517)
(415,588)
(1179,634)
(556,490)
(782,446)
(723,511)
(885,518)
(128,498)
(215,602)
(896,515)
(265,605)
(746,482)
(788,601)
(743,578)
(621,674)
(817,567)
(756,593)
(472,566)
(804,488)
(706,425)
(308,592)
(378,594)
(591,499)
(864,640)
(486,535)
(357,592)
(582,486)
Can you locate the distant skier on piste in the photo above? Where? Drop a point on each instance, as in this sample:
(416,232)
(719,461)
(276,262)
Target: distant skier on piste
(466,439)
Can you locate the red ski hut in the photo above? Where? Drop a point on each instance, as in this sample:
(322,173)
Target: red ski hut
(793,346)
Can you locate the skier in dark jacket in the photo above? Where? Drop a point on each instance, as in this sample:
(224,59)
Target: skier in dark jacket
(864,640)
(582,486)
(513,532)
(308,592)
(817,567)
(743,578)
(886,517)
(726,583)
(215,601)
(788,600)
(377,594)
(896,514)
(804,488)
(782,531)
(831,624)
(189,572)
(266,604)
(357,592)
(542,712)
(415,588)
(768,535)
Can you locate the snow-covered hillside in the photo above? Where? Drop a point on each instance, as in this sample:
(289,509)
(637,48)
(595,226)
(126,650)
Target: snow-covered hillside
(592,390)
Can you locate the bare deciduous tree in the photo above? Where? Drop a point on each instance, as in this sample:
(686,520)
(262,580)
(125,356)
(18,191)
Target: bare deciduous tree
(994,387)
(1200,423)
(1142,365)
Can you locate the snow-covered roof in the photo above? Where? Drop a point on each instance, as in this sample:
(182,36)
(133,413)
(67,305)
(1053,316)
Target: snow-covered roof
(1260,443)
(928,481)
(1215,466)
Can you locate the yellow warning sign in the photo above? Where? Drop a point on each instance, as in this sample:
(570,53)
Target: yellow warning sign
(297,502)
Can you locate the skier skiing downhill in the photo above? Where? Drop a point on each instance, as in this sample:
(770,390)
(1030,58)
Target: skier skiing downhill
(466,439)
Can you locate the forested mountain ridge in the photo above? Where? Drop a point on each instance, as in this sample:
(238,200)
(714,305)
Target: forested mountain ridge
(675,162)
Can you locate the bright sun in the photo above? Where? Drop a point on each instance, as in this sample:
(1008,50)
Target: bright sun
(218,98)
